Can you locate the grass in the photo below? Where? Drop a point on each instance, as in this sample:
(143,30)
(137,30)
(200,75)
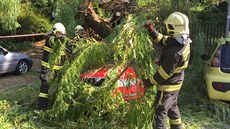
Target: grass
(18,109)
(22,95)
(197,110)
(16,106)
(31,73)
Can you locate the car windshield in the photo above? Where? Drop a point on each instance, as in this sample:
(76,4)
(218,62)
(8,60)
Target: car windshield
(225,58)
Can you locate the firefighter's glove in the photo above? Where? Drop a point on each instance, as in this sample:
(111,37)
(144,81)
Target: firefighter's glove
(62,38)
(149,26)
(146,82)
(43,77)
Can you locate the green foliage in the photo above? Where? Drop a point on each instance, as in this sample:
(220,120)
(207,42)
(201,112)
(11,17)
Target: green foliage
(28,99)
(12,45)
(31,22)
(15,107)
(78,101)
(65,13)
(202,10)
(44,7)
(198,46)
(90,106)
(181,6)
(145,2)
(220,110)
(134,44)
(208,2)
(79,105)
(156,8)
(216,15)
(9,13)
(163,8)
(23,17)
(41,3)
(4,105)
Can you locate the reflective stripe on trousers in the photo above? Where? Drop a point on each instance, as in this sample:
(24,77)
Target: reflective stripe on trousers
(175,121)
(169,88)
(43,95)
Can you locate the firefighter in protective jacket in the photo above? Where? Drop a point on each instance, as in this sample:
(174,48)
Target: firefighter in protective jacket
(79,33)
(172,64)
(55,37)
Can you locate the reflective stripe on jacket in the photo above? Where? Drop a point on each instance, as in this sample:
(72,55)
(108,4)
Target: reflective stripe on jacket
(173,61)
(48,49)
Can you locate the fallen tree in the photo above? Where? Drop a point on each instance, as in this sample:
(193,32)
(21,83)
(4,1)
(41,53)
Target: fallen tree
(123,45)
(118,9)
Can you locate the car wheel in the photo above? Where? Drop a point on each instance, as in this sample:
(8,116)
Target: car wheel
(22,67)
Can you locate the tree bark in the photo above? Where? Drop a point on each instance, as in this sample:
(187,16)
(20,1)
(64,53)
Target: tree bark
(93,20)
(118,9)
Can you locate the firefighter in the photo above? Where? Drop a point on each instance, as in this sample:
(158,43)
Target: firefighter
(79,32)
(54,37)
(169,76)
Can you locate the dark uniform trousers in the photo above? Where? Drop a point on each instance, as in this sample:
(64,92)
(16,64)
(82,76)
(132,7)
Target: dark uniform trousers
(165,105)
(43,100)
(44,92)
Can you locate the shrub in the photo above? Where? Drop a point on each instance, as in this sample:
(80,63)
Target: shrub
(198,46)
(47,7)
(12,45)
(31,22)
(9,13)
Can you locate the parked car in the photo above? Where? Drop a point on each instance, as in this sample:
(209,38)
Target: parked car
(14,62)
(217,71)
(128,84)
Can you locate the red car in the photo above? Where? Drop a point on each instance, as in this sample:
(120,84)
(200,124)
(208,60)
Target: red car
(128,84)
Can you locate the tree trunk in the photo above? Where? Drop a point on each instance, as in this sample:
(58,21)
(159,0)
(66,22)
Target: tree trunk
(93,20)
(118,9)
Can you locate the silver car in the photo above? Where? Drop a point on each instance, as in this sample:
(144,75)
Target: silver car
(14,62)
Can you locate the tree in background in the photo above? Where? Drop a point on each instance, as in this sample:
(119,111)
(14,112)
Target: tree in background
(25,16)
(8,14)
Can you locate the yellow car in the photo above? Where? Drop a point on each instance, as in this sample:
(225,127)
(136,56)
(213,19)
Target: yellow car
(217,70)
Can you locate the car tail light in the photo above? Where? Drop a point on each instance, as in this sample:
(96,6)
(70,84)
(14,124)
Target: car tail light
(221,86)
(216,59)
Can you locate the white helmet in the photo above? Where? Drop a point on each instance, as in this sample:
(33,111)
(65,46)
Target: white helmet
(78,27)
(59,27)
(177,24)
